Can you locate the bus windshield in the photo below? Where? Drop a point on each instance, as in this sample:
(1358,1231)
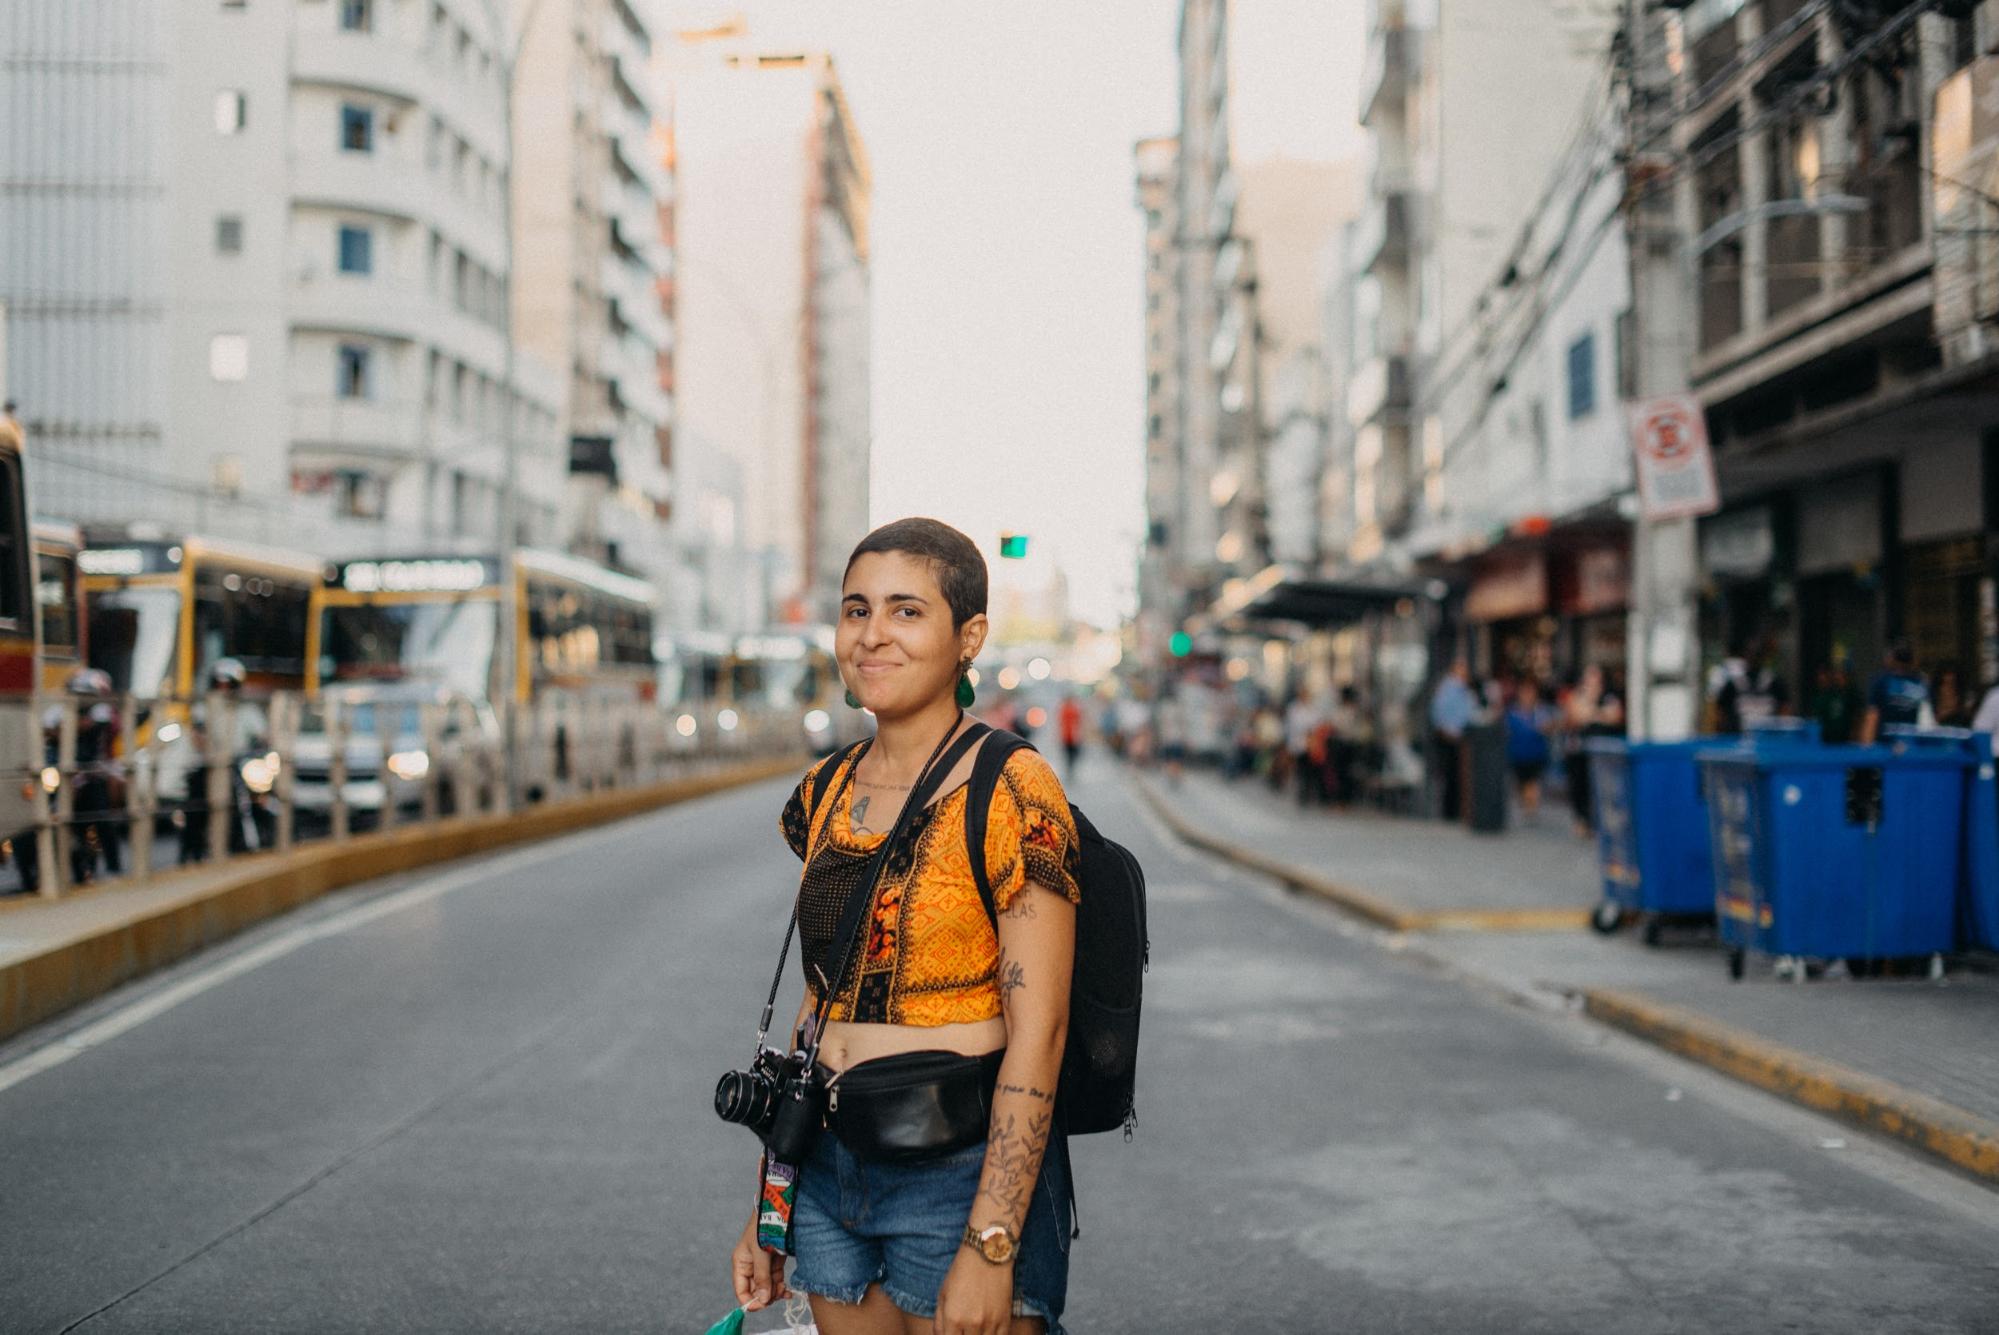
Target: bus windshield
(446,642)
(133,632)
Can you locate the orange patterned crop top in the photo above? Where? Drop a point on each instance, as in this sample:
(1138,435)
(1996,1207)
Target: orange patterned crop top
(928,952)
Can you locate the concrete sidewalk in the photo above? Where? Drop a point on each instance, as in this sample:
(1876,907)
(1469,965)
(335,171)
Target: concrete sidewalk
(1400,872)
(1907,1058)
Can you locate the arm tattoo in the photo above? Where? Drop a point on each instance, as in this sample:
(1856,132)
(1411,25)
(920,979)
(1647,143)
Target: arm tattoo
(1022,908)
(1011,977)
(1028,1090)
(1013,1161)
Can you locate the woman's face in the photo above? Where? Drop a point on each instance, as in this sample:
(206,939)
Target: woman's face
(897,649)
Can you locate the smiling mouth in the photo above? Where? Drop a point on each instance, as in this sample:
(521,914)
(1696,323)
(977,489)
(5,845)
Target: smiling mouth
(872,668)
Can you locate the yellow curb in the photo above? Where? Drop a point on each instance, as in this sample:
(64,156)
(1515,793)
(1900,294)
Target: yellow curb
(1962,1139)
(42,986)
(1506,920)
(1360,903)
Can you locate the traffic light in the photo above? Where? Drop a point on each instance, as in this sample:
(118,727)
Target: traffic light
(1181,644)
(1013,546)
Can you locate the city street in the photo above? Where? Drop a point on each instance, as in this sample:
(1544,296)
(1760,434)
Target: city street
(477,1099)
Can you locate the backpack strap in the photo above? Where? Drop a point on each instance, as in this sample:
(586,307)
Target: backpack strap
(986,770)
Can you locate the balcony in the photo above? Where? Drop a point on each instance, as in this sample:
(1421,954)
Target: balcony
(1381,236)
(367,62)
(1385,77)
(1380,391)
(366,182)
(376,428)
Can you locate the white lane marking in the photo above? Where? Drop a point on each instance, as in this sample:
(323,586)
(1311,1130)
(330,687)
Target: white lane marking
(130,1017)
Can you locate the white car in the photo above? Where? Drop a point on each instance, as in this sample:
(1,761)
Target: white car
(468,727)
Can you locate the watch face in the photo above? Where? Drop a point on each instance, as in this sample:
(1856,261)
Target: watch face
(997,1244)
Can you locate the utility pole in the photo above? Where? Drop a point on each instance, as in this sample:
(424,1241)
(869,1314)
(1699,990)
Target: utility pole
(1663,642)
(509,42)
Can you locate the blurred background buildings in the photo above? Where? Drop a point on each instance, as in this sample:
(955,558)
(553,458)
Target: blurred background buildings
(1387,399)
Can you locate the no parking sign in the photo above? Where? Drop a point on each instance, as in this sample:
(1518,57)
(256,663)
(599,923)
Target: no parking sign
(1675,466)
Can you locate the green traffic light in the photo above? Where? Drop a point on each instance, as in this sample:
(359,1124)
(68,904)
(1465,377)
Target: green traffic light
(1181,644)
(1013,546)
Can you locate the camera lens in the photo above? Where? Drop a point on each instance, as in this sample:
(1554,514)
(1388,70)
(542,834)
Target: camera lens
(745,1098)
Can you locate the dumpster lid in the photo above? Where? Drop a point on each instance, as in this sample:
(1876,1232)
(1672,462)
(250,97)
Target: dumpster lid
(1834,757)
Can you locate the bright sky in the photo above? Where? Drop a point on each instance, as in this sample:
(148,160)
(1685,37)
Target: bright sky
(1008,306)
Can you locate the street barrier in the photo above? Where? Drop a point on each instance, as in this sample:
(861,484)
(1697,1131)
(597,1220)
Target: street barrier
(118,789)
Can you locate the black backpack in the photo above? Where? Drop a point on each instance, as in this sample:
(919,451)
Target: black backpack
(1100,1060)
(1100,1063)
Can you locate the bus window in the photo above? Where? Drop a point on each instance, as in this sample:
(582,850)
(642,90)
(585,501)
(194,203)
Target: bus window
(256,620)
(13,544)
(133,631)
(55,594)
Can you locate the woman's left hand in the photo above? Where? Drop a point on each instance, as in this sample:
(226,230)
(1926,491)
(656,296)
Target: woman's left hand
(977,1297)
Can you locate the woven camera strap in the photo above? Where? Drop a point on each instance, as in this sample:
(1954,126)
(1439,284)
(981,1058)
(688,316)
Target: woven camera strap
(848,929)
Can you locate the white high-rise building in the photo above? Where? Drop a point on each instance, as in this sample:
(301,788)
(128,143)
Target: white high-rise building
(771,296)
(588,185)
(255,260)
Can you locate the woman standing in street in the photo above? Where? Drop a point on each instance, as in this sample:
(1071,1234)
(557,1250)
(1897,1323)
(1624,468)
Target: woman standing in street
(971,1236)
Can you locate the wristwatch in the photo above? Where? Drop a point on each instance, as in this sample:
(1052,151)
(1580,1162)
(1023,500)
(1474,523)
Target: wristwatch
(997,1244)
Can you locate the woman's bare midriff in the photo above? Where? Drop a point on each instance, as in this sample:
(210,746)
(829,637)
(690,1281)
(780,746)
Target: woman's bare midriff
(848,1044)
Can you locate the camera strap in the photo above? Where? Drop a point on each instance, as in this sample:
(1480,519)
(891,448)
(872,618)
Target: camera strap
(848,929)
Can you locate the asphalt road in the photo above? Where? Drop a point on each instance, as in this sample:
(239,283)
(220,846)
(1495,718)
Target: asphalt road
(478,1100)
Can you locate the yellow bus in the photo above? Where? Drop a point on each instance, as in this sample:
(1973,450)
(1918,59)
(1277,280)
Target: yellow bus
(59,602)
(162,611)
(580,629)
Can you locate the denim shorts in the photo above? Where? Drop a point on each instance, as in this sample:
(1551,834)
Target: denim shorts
(901,1225)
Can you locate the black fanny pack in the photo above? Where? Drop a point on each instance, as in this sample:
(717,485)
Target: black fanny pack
(914,1105)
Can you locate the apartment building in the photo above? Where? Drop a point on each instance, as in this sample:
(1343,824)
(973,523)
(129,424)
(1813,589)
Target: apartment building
(255,260)
(1166,493)
(1457,155)
(771,291)
(590,254)
(1831,163)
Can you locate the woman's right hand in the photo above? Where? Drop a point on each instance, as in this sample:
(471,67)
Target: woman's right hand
(759,1276)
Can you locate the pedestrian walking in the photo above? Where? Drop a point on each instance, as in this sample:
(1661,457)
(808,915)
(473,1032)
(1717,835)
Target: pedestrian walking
(1453,707)
(1594,708)
(1898,696)
(1070,721)
(1302,721)
(1528,722)
(907,1207)
(1169,723)
(1746,689)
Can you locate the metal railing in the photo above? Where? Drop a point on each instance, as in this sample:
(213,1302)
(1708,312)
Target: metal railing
(110,787)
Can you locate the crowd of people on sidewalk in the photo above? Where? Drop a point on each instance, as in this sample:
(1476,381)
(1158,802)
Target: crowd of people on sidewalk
(1545,729)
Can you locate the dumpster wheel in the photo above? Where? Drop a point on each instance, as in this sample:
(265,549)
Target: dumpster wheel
(1654,932)
(1608,917)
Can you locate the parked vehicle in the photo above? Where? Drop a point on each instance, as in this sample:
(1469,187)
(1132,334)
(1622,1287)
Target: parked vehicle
(391,779)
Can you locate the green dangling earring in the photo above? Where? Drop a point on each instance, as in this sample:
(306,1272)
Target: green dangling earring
(853,701)
(966,695)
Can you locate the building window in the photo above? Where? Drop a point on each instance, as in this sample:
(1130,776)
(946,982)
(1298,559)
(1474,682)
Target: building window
(232,111)
(357,15)
(358,495)
(228,357)
(229,234)
(357,250)
(351,372)
(357,129)
(1582,377)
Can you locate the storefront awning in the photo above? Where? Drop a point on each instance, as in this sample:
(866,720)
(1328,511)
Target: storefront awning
(1280,594)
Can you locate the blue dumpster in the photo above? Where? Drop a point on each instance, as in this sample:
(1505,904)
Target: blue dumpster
(1835,852)
(1782,730)
(1978,871)
(1651,832)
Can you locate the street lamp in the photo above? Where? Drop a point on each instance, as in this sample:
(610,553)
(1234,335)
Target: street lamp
(509,45)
